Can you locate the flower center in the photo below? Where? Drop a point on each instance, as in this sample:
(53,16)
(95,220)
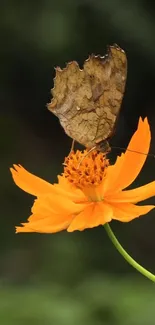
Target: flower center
(84,169)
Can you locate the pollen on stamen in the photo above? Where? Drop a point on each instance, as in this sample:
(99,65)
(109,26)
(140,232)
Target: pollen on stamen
(90,171)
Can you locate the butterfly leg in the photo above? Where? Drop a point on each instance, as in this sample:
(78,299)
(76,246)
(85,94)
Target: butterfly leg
(72,146)
(89,151)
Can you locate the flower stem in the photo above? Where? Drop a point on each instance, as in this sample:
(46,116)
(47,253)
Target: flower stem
(126,256)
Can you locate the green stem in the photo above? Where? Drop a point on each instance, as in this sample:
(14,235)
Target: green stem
(126,256)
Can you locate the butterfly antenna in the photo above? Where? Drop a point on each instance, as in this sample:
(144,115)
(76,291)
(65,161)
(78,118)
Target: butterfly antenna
(80,162)
(141,153)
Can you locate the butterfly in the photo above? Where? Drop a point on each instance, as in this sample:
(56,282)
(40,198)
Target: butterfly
(87,101)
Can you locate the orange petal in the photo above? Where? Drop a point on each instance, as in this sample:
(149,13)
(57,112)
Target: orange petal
(128,166)
(23,229)
(54,203)
(65,187)
(52,224)
(62,181)
(94,214)
(37,186)
(29,182)
(133,196)
(126,212)
(51,213)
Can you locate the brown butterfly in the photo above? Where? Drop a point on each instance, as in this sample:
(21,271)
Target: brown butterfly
(87,101)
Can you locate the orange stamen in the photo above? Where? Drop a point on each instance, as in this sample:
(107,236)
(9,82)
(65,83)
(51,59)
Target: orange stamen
(90,172)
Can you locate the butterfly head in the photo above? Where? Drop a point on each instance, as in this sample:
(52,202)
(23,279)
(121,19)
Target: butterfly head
(103,146)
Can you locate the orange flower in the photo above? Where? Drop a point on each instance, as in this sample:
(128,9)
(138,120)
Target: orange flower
(91,193)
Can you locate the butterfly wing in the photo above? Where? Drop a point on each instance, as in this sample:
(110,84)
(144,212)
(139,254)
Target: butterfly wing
(87,101)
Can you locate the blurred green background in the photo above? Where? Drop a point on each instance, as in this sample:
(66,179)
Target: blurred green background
(78,278)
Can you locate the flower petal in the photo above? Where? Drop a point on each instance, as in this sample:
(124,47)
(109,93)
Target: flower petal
(54,203)
(94,214)
(37,186)
(23,229)
(52,224)
(29,182)
(133,196)
(126,212)
(51,213)
(64,186)
(128,166)
(62,181)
